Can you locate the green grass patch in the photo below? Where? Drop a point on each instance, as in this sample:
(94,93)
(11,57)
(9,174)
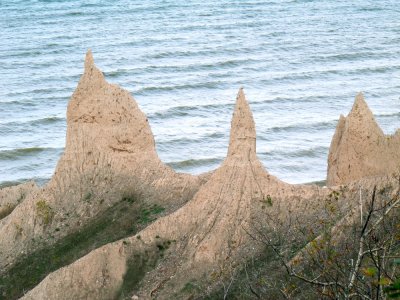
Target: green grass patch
(149,214)
(44,211)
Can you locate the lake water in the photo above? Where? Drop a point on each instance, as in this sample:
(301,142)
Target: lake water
(301,64)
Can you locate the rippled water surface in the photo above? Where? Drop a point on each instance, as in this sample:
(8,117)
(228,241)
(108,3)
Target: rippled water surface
(301,64)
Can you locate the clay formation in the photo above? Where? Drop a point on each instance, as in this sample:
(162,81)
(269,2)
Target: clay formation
(109,155)
(207,235)
(359,147)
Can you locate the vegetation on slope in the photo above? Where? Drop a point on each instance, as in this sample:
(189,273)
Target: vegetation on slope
(123,219)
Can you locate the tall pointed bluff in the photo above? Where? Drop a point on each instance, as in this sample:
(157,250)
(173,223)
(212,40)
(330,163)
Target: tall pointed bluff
(109,156)
(359,147)
(205,239)
(107,131)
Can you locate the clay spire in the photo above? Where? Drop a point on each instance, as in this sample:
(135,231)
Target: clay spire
(89,61)
(359,148)
(92,78)
(243,133)
(361,116)
(359,105)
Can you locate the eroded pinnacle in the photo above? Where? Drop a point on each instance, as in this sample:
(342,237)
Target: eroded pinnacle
(243,133)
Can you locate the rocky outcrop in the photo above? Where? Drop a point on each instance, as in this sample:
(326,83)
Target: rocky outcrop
(206,238)
(11,196)
(359,147)
(109,156)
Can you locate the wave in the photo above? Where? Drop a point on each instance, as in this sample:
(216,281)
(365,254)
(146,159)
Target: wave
(176,54)
(303,99)
(34,122)
(371,9)
(185,110)
(312,152)
(29,103)
(51,93)
(46,121)
(117,73)
(187,141)
(351,56)
(387,115)
(26,152)
(24,53)
(193,86)
(300,127)
(183,164)
(74,13)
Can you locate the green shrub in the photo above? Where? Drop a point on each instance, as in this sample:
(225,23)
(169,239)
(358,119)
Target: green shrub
(44,211)
(267,200)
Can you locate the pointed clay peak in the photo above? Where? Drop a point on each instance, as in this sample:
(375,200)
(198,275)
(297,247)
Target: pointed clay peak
(362,117)
(243,133)
(91,72)
(89,61)
(116,123)
(359,100)
(359,147)
(360,107)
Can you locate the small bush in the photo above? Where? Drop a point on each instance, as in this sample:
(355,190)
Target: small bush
(129,198)
(87,197)
(44,211)
(267,200)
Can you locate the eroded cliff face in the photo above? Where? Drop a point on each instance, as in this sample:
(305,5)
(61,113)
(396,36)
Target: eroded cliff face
(359,147)
(109,156)
(206,236)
